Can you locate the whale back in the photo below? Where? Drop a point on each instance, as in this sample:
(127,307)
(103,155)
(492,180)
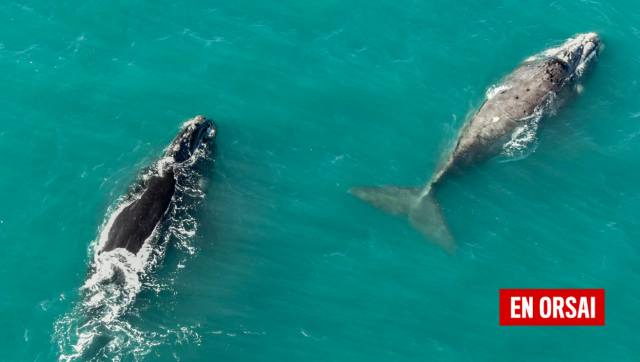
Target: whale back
(517,100)
(136,221)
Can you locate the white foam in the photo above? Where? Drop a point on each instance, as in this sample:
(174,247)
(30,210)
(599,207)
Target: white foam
(495,89)
(524,139)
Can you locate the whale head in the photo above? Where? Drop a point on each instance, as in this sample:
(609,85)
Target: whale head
(193,134)
(578,51)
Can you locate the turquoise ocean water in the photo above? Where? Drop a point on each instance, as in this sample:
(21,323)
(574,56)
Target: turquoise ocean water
(311,99)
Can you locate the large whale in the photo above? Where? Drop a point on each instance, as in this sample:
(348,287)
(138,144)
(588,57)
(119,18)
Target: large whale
(133,239)
(524,95)
(135,223)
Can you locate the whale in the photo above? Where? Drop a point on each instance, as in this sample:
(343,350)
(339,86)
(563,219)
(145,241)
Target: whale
(536,88)
(136,222)
(134,238)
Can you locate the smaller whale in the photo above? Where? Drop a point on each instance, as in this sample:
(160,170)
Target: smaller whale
(136,222)
(522,98)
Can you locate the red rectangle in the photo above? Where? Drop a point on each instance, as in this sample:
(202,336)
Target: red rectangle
(551,307)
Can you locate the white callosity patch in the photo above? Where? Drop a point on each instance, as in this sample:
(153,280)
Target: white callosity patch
(211,133)
(571,48)
(118,276)
(589,42)
(589,53)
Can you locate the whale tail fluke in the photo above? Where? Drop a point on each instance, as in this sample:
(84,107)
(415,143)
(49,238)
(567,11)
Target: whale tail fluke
(424,212)
(426,217)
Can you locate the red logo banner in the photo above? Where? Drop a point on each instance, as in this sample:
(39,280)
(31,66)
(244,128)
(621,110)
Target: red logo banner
(551,307)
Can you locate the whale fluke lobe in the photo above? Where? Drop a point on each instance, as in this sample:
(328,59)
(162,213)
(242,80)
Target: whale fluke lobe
(393,200)
(424,212)
(426,217)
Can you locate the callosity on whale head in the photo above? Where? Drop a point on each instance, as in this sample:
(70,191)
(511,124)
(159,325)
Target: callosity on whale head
(194,132)
(578,52)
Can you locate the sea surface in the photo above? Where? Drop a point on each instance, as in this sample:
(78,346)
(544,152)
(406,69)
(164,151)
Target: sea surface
(312,98)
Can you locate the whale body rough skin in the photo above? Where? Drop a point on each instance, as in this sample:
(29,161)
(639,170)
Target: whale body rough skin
(522,97)
(136,222)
